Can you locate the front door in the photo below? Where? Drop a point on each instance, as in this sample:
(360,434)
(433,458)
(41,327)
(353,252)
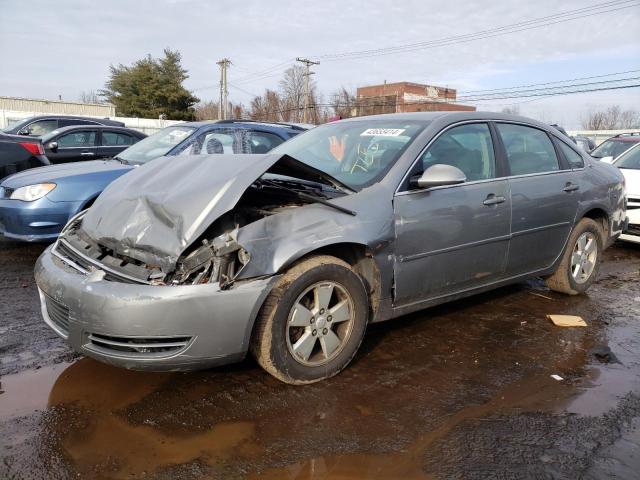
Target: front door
(450,239)
(544,196)
(73,146)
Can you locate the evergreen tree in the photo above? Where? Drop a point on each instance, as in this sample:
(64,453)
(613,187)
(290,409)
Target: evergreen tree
(150,88)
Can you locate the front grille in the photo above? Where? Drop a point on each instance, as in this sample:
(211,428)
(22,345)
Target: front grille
(137,346)
(58,314)
(80,263)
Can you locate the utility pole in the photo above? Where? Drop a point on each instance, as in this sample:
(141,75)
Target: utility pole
(224,93)
(307,93)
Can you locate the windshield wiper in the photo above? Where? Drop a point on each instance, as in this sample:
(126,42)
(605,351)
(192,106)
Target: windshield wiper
(309,197)
(121,160)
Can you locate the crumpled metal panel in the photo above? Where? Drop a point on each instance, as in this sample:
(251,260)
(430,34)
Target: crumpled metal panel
(155,212)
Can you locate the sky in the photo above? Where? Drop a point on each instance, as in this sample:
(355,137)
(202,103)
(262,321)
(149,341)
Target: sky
(48,51)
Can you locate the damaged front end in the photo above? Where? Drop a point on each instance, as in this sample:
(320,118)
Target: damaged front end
(202,230)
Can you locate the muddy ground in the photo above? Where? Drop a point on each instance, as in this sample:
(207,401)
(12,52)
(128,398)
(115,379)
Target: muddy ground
(459,391)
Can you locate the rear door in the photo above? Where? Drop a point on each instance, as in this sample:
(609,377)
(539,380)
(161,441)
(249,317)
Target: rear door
(544,196)
(113,142)
(73,146)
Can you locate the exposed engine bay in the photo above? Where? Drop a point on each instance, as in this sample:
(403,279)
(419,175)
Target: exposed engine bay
(216,256)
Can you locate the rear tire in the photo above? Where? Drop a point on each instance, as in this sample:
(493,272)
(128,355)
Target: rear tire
(312,323)
(580,262)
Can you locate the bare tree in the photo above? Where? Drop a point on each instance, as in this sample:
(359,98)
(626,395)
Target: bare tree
(90,96)
(206,110)
(343,103)
(513,110)
(611,118)
(292,92)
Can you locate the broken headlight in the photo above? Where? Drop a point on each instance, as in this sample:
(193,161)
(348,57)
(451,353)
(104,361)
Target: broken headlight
(217,261)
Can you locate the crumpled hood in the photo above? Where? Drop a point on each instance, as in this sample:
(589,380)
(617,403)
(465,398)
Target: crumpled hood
(156,211)
(55,173)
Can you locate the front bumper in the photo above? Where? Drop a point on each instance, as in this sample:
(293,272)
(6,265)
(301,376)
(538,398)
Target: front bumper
(632,232)
(143,327)
(38,221)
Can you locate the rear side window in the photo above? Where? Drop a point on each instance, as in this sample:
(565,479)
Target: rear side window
(113,139)
(529,150)
(80,138)
(573,157)
(467,147)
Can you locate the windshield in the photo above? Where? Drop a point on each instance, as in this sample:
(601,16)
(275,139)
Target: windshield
(356,153)
(611,148)
(630,159)
(156,145)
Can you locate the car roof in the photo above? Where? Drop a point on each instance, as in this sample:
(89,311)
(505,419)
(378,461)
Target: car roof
(247,123)
(626,137)
(104,121)
(455,116)
(114,128)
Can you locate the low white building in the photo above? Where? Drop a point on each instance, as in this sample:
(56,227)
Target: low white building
(14,109)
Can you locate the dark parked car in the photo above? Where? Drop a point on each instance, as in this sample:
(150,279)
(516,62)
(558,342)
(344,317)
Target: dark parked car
(19,153)
(585,143)
(613,147)
(43,124)
(189,263)
(80,142)
(36,204)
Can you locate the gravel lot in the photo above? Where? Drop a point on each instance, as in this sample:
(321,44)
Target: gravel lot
(458,391)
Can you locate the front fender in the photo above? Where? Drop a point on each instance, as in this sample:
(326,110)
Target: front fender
(275,242)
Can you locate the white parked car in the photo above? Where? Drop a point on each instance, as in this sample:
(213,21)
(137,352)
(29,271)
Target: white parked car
(629,164)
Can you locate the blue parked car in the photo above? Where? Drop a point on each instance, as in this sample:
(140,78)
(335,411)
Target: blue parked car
(35,204)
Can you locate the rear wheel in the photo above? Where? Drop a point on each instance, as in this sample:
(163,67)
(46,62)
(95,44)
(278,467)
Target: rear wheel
(313,321)
(580,262)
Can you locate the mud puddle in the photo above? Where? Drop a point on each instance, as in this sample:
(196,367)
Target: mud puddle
(463,390)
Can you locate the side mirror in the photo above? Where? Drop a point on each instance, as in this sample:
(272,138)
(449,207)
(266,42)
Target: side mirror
(25,131)
(53,146)
(439,175)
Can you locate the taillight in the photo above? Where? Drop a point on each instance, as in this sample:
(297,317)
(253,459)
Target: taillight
(33,148)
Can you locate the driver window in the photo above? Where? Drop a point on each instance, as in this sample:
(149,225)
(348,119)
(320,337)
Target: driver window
(467,147)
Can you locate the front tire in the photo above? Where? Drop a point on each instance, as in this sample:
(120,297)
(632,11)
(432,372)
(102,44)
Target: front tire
(313,321)
(580,262)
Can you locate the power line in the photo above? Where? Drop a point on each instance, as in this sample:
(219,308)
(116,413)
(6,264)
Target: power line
(540,22)
(506,96)
(503,92)
(550,83)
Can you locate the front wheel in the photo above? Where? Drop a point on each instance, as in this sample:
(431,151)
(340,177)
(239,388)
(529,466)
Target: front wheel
(580,262)
(313,321)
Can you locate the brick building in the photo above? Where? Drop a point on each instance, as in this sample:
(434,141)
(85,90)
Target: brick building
(406,97)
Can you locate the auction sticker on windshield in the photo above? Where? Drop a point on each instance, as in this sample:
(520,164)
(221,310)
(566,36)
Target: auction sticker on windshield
(382,132)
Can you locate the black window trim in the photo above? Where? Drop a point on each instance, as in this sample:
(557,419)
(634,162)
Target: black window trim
(557,141)
(499,167)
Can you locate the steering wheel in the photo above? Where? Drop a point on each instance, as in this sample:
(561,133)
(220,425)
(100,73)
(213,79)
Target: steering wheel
(365,157)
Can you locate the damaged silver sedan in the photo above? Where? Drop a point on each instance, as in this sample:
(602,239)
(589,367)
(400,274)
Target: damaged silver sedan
(289,255)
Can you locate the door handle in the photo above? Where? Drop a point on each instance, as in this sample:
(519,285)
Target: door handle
(492,199)
(571,187)
(87,154)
